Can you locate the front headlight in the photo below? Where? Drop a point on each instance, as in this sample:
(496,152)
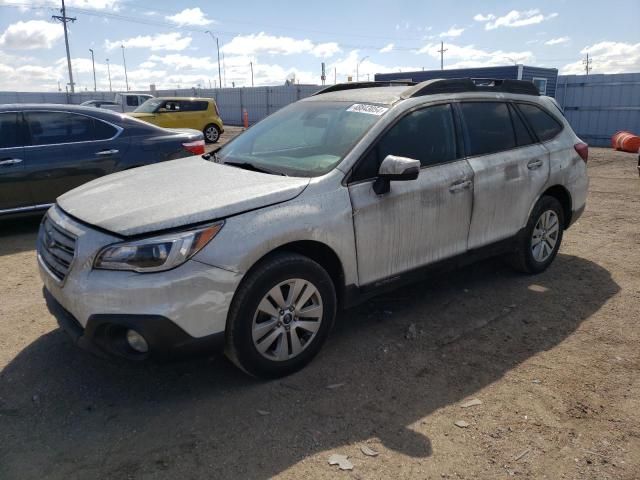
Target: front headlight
(156,254)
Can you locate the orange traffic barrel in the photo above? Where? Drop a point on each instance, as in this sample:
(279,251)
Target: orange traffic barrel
(628,142)
(614,139)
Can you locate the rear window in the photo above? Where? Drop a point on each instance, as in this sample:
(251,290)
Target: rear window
(488,127)
(543,124)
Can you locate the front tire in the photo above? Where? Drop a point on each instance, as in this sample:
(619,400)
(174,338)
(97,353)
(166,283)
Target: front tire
(211,133)
(280,316)
(541,238)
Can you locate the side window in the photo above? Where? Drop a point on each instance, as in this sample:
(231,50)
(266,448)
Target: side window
(187,106)
(488,127)
(523,137)
(171,106)
(132,100)
(9,130)
(103,131)
(427,135)
(58,127)
(544,125)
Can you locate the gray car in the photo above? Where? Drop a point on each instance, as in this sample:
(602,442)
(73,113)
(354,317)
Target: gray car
(330,200)
(47,150)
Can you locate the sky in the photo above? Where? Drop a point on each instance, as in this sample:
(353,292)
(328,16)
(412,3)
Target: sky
(166,42)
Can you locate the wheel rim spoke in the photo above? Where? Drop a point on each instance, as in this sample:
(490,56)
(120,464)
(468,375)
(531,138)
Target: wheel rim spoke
(266,307)
(307,325)
(264,345)
(312,311)
(276,294)
(261,329)
(304,298)
(296,346)
(294,291)
(282,350)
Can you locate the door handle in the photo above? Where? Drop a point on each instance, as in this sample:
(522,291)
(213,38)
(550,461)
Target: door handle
(105,153)
(459,186)
(533,164)
(10,161)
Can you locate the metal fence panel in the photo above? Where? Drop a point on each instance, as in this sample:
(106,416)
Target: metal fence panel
(597,106)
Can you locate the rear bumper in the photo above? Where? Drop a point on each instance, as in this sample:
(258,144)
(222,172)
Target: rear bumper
(104,335)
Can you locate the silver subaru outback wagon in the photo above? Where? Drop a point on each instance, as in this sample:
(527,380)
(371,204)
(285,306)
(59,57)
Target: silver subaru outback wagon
(326,202)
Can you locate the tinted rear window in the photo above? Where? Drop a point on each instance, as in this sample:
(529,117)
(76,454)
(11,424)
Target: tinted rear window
(103,131)
(193,106)
(488,127)
(48,128)
(523,137)
(543,124)
(9,130)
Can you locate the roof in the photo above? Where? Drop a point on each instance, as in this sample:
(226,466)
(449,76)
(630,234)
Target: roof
(381,95)
(201,99)
(53,107)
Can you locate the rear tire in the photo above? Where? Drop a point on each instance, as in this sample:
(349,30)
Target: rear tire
(211,133)
(280,316)
(540,241)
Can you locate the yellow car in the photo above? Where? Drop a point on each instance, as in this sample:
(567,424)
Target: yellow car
(183,112)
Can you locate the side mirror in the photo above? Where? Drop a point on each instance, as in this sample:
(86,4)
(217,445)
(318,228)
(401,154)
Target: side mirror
(396,169)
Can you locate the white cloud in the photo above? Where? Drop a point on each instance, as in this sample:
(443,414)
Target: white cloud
(31,35)
(452,32)
(484,18)
(88,4)
(469,56)
(263,43)
(557,41)
(190,16)
(608,57)
(181,62)
(387,48)
(346,67)
(163,41)
(513,19)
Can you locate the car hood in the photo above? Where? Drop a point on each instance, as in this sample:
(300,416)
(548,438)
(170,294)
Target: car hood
(174,194)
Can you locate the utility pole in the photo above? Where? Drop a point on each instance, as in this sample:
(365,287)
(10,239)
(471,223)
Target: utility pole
(587,64)
(251,64)
(442,50)
(335,75)
(124,62)
(213,37)
(93,63)
(64,19)
(109,72)
(358,67)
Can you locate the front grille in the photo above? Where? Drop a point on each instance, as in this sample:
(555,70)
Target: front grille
(57,248)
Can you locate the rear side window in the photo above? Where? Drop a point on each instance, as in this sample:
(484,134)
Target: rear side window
(103,131)
(193,106)
(488,127)
(9,130)
(48,128)
(523,137)
(544,125)
(427,135)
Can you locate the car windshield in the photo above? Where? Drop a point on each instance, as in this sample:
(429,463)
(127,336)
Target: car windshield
(150,106)
(304,139)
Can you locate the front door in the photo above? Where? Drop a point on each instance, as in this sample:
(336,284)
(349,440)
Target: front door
(417,222)
(14,188)
(67,150)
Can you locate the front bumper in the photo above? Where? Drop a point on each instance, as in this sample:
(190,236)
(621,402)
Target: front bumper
(105,334)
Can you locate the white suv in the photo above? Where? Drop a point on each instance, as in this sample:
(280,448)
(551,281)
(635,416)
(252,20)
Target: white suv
(324,203)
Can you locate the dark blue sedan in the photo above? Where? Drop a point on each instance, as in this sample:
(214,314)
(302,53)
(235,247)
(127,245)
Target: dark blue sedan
(46,150)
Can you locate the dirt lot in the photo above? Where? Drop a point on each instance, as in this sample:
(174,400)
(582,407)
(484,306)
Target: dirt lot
(553,358)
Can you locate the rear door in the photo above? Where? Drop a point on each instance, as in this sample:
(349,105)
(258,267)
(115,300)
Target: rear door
(68,149)
(510,169)
(193,114)
(14,189)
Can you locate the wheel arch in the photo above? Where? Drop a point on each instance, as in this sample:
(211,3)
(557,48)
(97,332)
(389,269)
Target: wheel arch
(320,253)
(561,194)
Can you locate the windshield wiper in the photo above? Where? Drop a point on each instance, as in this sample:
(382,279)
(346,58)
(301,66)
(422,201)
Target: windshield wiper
(253,167)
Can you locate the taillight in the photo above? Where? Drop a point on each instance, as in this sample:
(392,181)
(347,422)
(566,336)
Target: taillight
(197,147)
(583,151)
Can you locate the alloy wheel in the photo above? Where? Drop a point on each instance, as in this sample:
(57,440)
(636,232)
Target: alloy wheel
(545,236)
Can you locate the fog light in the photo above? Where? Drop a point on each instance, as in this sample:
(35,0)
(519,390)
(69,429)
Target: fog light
(137,341)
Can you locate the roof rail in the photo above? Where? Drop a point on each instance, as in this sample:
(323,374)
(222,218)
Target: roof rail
(460,85)
(353,85)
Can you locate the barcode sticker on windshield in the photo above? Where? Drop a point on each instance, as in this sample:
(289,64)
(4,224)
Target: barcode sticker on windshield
(370,109)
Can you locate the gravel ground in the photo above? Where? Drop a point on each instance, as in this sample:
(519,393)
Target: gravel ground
(554,360)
